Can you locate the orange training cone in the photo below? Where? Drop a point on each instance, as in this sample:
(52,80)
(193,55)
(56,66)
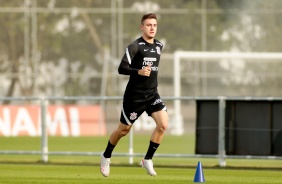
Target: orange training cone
(199,175)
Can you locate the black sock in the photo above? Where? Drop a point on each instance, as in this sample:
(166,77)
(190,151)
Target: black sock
(109,150)
(151,150)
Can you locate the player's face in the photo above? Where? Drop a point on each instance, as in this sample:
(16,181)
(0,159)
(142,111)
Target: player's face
(149,28)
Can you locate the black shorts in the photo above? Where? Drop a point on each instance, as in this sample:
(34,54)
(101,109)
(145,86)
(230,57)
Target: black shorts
(132,110)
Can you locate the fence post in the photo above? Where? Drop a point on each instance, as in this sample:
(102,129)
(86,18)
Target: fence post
(44,137)
(221,132)
(130,150)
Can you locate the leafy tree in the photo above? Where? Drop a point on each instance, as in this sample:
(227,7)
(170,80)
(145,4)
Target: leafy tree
(71,43)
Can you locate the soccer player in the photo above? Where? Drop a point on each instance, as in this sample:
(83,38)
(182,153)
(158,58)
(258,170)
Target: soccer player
(140,62)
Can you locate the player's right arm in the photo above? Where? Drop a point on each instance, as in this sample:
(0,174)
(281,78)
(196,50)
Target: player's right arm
(125,64)
(146,71)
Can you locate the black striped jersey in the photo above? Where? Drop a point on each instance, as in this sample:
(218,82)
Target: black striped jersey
(137,55)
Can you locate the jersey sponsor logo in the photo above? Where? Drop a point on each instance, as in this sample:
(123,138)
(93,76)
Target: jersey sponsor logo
(142,43)
(150,59)
(147,63)
(133,116)
(153,68)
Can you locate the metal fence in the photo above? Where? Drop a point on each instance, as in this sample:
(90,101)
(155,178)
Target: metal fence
(44,152)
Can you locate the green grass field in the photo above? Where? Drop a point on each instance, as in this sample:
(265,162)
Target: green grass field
(38,173)
(85,169)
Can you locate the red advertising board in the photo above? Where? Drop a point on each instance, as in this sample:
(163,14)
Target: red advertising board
(61,120)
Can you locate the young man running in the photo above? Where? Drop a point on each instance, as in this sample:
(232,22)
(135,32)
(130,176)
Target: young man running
(141,62)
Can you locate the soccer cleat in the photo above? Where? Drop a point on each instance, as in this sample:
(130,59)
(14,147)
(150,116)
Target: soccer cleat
(105,165)
(148,165)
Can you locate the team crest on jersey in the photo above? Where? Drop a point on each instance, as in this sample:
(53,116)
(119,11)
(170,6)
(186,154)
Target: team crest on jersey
(133,116)
(158,50)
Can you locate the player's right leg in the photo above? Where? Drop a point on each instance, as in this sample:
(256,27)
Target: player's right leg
(121,131)
(129,114)
(105,165)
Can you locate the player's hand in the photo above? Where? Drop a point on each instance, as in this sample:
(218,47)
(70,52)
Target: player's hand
(146,71)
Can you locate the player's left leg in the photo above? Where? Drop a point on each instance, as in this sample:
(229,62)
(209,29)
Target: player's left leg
(161,119)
